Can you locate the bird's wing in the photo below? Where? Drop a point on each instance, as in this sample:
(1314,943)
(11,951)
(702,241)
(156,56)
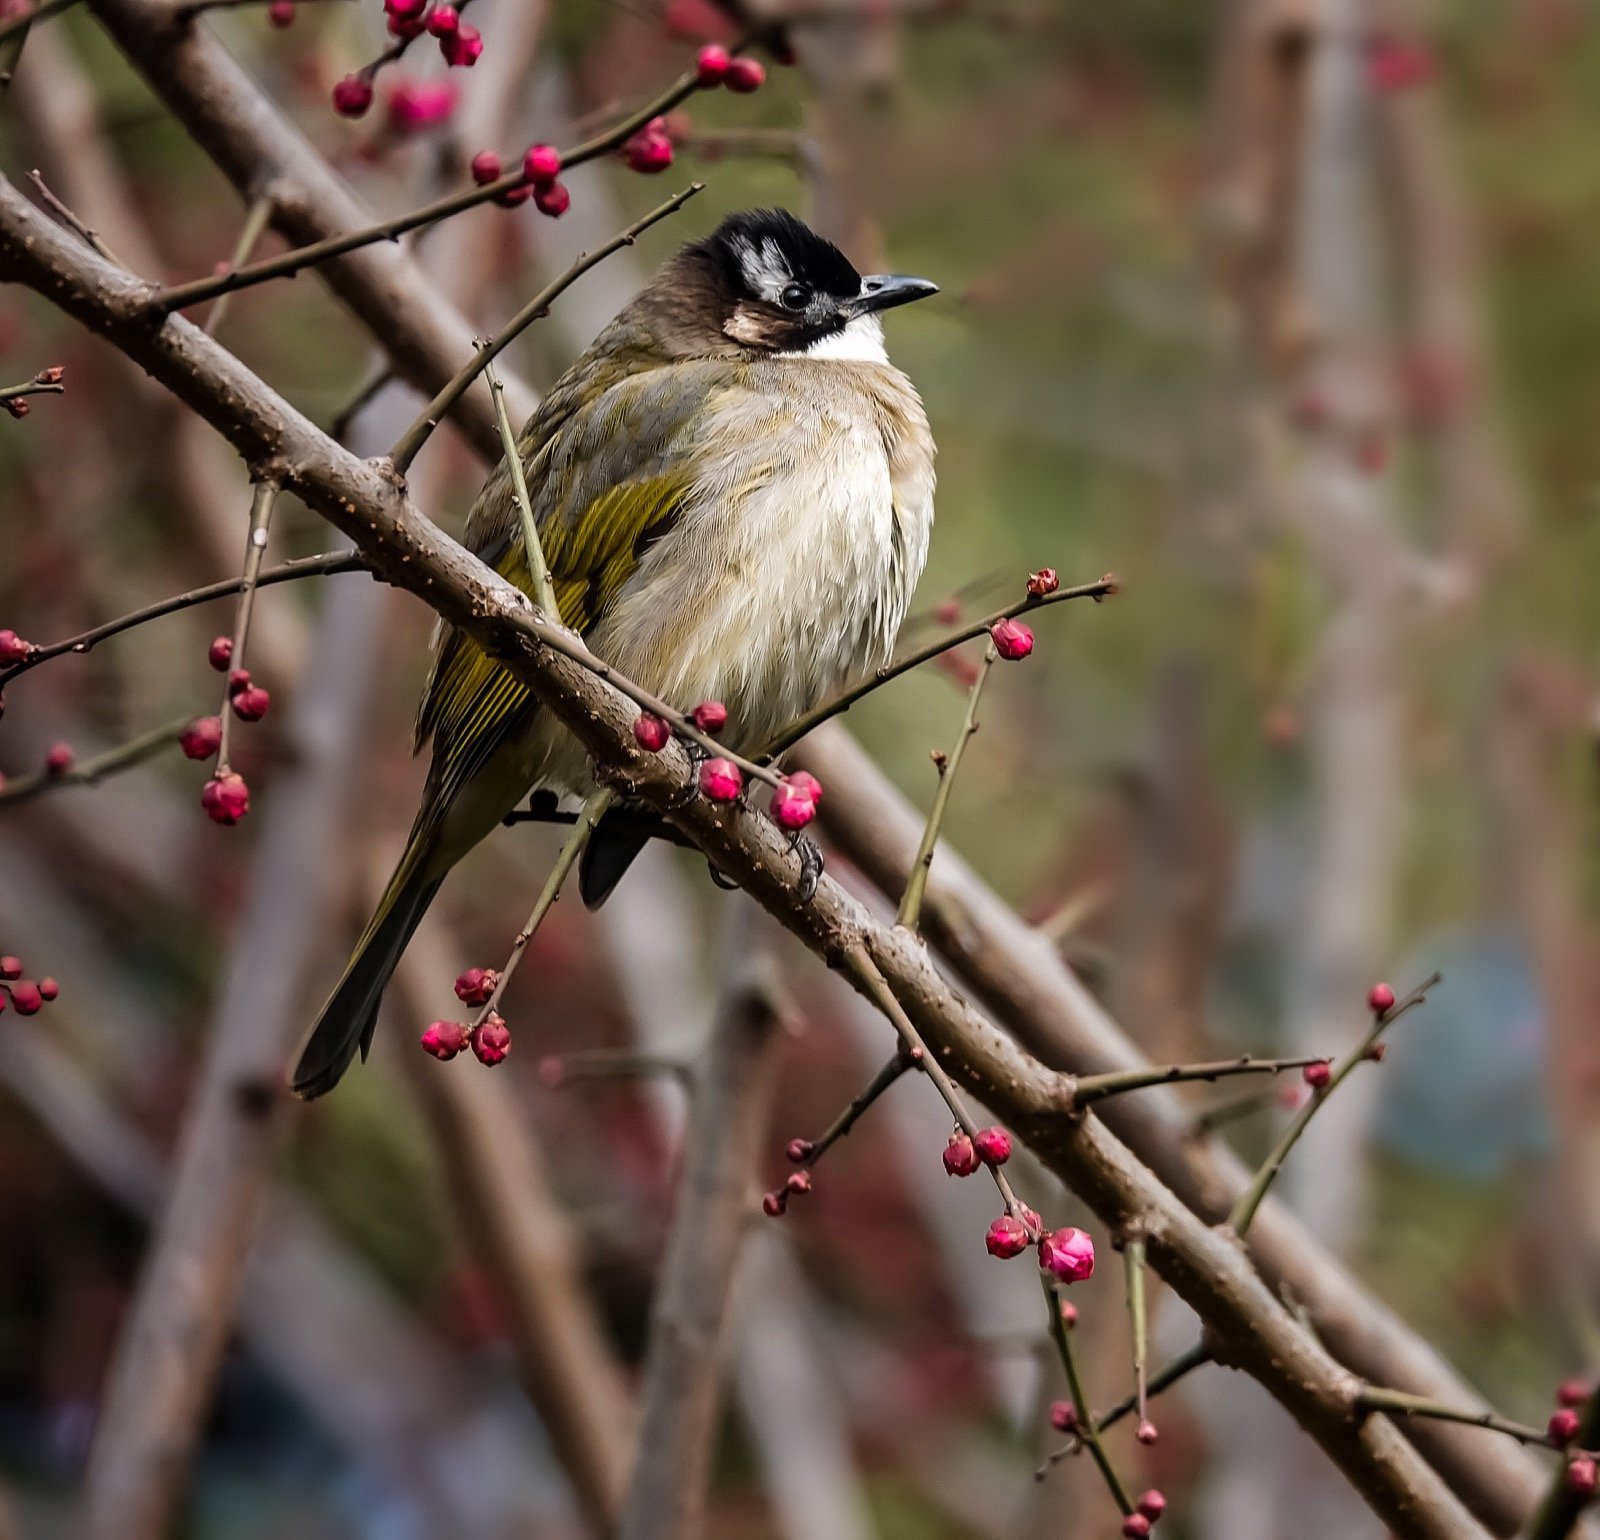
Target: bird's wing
(609,471)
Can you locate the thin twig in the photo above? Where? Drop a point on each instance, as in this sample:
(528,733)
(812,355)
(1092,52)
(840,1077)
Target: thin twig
(797,729)
(1244,1209)
(1164,1379)
(92,771)
(892,1070)
(412,440)
(90,237)
(544,594)
(287,264)
(1375,1398)
(1087,1431)
(255,225)
(325,565)
(261,504)
(1093,1088)
(910,910)
(34,387)
(1133,1263)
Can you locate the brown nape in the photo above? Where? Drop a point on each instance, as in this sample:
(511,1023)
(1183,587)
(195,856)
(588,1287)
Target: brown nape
(689,307)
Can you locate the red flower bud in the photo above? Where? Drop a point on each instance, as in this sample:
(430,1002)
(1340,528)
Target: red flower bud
(1069,1314)
(1063,1416)
(960,1158)
(993,1146)
(720,780)
(444,1039)
(1152,1505)
(650,732)
(201,738)
(1377,1051)
(405,27)
(48,989)
(486,168)
(541,165)
(1043,582)
(792,808)
(649,150)
(59,760)
(799,1183)
(745,75)
(1317,1075)
(251,703)
(281,13)
(774,1203)
(462,48)
(220,653)
(799,1150)
(443,20)
(476,985)
(404,8)
(54,375)
(804,781)
(26,998)
(10,967)
(710,716)
(1581,1476)
(12,647)
(225,798)
(491,1041)
(1380,998)
(416,105)
(1146,1432)
(1562,1427)
(1012,640)
(352,97)
(1135,1527)
(553,200)
(238,680)
(16,405)
(711,67)
(1006,1238)
(1067,1254)
(1572,1392)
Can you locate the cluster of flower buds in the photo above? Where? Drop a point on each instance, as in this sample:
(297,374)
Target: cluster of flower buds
(715,66)
(490,1040)
(1146,1511)
(27,998)
(988,1147)
(413,105)
(796,1185)
(18,405)
(794,804)
(649,150)
(541,168)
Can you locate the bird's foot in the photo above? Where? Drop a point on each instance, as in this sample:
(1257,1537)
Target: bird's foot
(812,865)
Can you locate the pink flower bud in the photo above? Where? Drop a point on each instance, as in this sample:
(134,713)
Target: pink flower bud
(225,798)
(553,200)
(1562,1427)
(16,406)
(711,67)
(1043,582)
(26,998)
(1012,640)
(792,809)
(650,732)
(803,780)
(1006,1238)
(238,680)
(48,989)
(1067,1254)
(416,105)
(1398,64)
(649,150)
(745,75)
(54,375)
(59,760)
(1581,1476)
(1146,1432)
(774,1203)
(281,13)
(220,653)
(993,1146)
(1572,1392)
(1380,998)
(1135,1527)
(201,738)
(541,165)
(404,8)
(1152,1505)
(251,703)
(486,168)
(1031,1222)
(405,27)
(799,1151)
(463,47)
(443,20)
(710,716)
(476,985)
(1317,1075)
(352,97)
(720,780)
(798,1184)
(960,1158)
(10,967)
(444,1039)
(1063,1416)
(12,647)
(491,1040)
(1069,1314)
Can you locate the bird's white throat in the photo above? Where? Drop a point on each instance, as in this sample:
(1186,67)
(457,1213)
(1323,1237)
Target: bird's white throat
(861,342)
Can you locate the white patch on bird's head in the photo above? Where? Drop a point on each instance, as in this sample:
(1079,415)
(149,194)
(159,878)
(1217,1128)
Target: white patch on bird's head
(859,342)
(766,270)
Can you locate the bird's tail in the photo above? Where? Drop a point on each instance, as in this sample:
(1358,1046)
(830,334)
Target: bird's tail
(347,1020)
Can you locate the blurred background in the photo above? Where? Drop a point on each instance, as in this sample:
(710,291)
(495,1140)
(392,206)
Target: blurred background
(1284,311)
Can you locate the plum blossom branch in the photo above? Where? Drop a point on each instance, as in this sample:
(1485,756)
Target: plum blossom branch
(412,440)
(262,500)
(1093,1088)
(807,1152)
(1558,1513)
(1374,1398)
(325,565)
(70,219)
(1386,1011)
(1084,1422)
(544,594)
(47,382)
(1164,1379)
(62,771)
(1101,589)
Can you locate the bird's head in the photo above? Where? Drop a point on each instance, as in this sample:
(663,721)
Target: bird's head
(765,282)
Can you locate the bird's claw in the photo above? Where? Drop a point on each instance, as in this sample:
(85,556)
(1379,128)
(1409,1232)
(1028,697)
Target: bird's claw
(812,864)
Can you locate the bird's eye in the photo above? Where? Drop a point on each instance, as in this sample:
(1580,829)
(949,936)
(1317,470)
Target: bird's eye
(795,297)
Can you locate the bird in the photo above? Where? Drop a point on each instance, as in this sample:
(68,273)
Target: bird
(733,490)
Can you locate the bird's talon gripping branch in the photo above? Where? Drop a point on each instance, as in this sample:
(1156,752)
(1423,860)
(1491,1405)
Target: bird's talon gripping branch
(812,865)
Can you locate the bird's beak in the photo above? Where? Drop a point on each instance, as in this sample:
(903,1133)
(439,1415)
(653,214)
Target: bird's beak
(883,291)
